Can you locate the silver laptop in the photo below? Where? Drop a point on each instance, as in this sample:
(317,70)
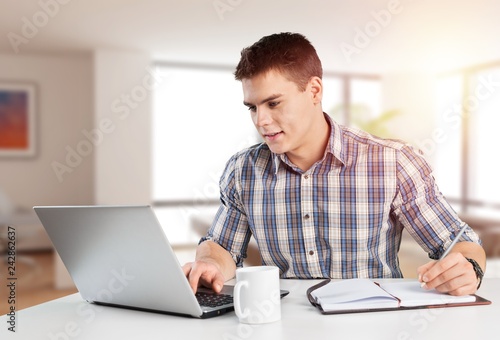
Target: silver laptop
(119,256)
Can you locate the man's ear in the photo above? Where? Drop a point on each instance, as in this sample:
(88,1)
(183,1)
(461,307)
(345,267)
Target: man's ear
(316,89)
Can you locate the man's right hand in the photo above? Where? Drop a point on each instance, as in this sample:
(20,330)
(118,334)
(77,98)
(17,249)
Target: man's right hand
(212,267)
(203,273)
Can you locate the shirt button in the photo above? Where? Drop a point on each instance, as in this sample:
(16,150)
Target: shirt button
(311,252)
(306,216)
(306,176)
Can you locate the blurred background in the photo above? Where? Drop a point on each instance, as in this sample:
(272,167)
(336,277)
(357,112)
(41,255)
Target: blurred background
(134,102)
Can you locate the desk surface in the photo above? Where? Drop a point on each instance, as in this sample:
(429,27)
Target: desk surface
(72,318)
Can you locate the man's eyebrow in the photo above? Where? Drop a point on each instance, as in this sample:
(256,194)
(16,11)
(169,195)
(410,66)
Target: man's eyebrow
(268,99)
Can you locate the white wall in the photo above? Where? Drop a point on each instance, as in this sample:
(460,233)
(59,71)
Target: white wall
(64,109)
(123,84)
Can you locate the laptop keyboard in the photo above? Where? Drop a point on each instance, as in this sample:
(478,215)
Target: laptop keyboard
(213,300)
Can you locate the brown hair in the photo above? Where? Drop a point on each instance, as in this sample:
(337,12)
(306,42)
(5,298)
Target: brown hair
(289,53)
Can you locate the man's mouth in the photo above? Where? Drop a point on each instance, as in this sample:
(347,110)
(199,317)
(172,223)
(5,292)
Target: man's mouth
(272,136)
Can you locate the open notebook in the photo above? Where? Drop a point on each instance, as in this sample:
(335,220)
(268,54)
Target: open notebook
(365,295)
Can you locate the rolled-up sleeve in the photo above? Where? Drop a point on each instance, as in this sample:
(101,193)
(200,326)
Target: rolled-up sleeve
(422,209)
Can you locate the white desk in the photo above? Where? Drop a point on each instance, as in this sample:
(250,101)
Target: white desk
(72,318)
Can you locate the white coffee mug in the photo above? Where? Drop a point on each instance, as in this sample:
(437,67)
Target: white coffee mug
(257,294)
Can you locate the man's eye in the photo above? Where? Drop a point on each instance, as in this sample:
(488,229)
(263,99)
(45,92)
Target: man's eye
(273,104)
(251,108)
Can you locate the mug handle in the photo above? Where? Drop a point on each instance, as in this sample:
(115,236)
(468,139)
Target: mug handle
(237,302)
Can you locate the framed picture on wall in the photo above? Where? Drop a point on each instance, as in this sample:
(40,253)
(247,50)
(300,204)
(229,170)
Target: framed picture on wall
(17,119)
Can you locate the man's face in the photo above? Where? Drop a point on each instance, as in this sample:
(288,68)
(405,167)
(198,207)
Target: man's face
(281,112)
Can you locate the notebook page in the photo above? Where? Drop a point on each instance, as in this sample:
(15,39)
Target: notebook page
(411,294)
(353,294)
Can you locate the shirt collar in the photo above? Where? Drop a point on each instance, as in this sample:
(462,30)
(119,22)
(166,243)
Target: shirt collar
(333,147)
(335,144)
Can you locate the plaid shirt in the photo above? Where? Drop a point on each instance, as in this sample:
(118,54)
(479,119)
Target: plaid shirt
(343,217)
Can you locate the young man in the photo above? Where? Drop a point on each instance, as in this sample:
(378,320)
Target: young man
(320,199)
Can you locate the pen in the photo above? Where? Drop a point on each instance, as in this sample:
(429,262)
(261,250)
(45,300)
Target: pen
(447,251)
(455,240)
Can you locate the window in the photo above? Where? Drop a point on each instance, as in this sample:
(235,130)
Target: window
(355,100)
(469,101)
(333,98)
(199,122)
(448,156)
(484,103)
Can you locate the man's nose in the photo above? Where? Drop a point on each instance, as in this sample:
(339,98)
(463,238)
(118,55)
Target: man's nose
(262,117)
